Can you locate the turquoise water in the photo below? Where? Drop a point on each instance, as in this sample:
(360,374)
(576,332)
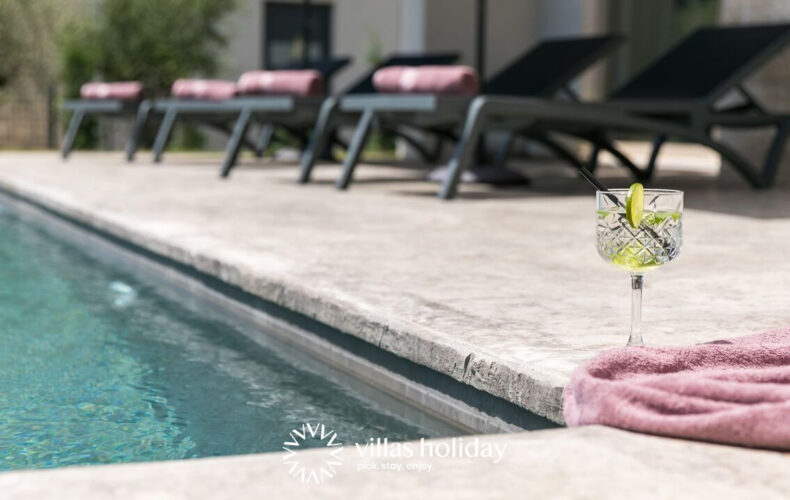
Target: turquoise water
(97,367)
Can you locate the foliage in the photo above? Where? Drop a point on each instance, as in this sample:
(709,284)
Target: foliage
(379,141)
(156,41)
(373,53)
(27,41)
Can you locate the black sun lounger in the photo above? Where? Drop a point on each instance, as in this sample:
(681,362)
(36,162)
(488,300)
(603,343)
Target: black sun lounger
(221,114)
(327,119)
(676,96)
(543,71)
(80,108)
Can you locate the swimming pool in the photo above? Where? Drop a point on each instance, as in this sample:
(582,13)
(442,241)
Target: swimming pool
(100,366)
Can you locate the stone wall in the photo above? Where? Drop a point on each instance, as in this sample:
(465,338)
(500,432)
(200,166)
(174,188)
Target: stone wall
(24,119)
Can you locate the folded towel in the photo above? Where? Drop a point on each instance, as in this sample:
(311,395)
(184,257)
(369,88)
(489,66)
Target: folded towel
(733,391)
(300,82)
(196,88)
(461,80)
(112,90)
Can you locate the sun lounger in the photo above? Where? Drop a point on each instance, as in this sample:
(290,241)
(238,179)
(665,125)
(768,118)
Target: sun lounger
(100,98)
(326,119)
(677,96)
(543,71)
(219,108)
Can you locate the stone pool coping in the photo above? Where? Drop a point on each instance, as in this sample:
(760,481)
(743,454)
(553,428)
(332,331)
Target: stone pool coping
(142,204)
(502,291)
(536,391)
(580,463)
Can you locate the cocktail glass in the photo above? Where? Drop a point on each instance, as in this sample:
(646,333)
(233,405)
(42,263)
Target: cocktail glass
(655,241)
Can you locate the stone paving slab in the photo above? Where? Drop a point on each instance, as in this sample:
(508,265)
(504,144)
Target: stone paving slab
(580,463)
(500,289)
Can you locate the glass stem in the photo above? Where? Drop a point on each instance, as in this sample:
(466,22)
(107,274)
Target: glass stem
(636,310)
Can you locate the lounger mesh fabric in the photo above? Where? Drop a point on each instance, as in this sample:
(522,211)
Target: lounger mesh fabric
(544,69)
(676,97)
(696,67)
(441,114)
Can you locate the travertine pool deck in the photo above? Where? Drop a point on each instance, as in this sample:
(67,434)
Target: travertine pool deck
(581,463)
(500,289)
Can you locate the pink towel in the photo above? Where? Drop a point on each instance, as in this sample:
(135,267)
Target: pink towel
(460,80)
(196,88)
(733,391)
(112,90)
(301,82)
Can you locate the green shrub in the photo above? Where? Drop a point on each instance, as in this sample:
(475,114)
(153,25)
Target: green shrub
(27,42)
(155,41)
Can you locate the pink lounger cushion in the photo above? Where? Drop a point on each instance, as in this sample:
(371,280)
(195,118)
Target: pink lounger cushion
(733,391)
(303,83)
(197,88)
(459,80)
(112,90)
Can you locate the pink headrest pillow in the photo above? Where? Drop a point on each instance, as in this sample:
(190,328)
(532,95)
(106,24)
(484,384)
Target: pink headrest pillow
(299,82)
(460,80)
(112,90)
(196,88)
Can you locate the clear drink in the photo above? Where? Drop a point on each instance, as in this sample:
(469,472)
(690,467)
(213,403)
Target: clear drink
(634,249)
(654,241)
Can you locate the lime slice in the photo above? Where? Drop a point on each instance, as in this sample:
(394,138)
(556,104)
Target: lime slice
(635,204)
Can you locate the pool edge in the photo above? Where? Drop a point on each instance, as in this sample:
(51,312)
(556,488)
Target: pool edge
(443,396)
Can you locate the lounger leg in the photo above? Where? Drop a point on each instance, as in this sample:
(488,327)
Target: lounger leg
(355,150)
(321,134)
(562,152)
(264,139)
(504,150)
(465,149)
(605,144)
(235,141)
(71,133)
(137,131)
(165,129)
(775,154)
(658,141)
(427,156)
(437,149)
(592,161)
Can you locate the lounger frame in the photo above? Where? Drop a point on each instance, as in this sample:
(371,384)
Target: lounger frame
(330,116)
(80,108)
(233,116)
(688,119)
(443,115)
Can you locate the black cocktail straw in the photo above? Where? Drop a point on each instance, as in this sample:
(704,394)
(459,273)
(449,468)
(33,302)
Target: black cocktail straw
(592,179)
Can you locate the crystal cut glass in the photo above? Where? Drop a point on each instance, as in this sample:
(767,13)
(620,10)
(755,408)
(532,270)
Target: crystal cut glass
(654,242)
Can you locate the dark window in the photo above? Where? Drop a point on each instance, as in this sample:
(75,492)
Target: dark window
(286,31)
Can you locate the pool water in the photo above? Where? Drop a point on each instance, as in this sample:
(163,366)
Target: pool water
(98,367)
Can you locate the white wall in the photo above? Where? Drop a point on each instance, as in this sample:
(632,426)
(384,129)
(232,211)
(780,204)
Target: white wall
(356,24)
(447,25)
(244,29)
(512,27)
(561,17)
